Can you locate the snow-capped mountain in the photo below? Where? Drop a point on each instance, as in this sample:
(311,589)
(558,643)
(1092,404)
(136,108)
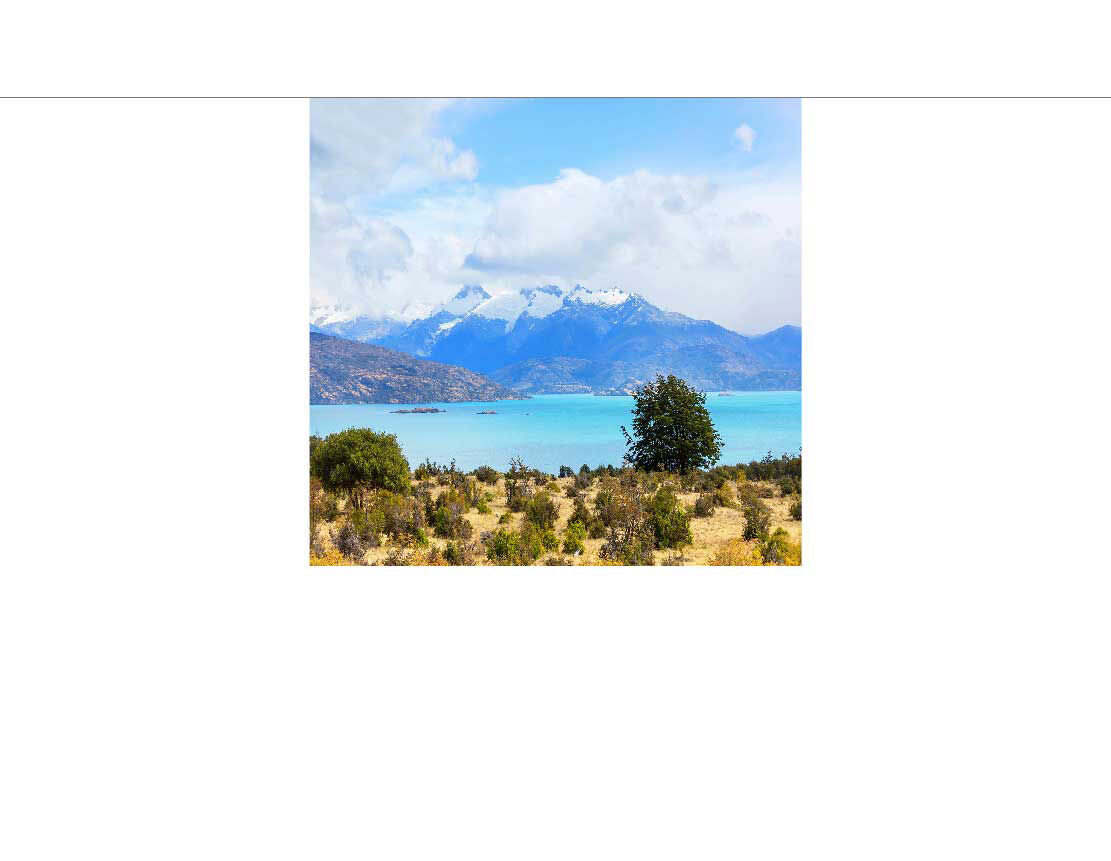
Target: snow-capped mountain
(554,339)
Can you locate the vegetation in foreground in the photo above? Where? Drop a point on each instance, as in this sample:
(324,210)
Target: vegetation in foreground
(666,504)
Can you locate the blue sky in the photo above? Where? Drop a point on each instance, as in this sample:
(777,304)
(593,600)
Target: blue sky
(692,202)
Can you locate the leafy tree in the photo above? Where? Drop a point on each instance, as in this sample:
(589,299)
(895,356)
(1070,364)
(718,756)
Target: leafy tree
(360,460)
(672,430)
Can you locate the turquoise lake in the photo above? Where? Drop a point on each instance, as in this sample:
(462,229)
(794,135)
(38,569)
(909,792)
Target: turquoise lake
(553,430)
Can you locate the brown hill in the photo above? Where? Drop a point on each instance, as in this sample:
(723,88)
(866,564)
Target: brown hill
(349,372)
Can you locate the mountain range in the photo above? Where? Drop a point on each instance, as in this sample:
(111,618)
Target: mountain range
(552,339)
(348,372)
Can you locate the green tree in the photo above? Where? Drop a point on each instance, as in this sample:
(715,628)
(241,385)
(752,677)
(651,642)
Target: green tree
(672,430)
(359,460)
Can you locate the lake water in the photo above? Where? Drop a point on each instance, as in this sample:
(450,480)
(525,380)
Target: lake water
(552,430)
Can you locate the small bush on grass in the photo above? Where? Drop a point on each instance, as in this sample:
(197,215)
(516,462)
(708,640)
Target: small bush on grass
(542,510)
(331,557)
(574,537)
(757,518)
(737,551)
(704,505)
(796,509)
(487,475)
(670,521)
(779,549)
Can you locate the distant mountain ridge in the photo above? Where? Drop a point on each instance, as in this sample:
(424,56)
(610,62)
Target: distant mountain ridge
(348,372)
(549,339)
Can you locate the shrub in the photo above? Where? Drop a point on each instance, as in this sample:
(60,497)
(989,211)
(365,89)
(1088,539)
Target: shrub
(542,510)
(670,521)
(566,472)
(508,548)
(778,549)
(448,521)
(368,525)
(428,469)
(549,539)
(583,481)
(359,460)
(557,560)
(574,537)
(482,507)
(796,509)
(737,551)
(487,475)
(400,515)
(723,496)
(704,505)
(348,542)
(757,519)
(332,557)
(596,530)
(584,470)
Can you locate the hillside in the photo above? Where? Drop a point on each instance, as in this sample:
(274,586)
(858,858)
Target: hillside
(348,372)
(548,339)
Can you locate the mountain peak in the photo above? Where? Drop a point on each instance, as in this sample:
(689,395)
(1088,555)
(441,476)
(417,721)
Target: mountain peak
(466,300)
(471,290)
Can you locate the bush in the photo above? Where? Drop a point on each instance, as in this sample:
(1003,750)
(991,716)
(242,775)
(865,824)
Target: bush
(549,540)
(557,560)
(359,460)
(757,519)
(368,525)
(736,551)
(574,537)
(566,472)
(542,510)
(448,521)
(584,470)
(348,543)
(482,507)
(459,553)
(428,469)
(670,521)
(778,549)
(704,505)
(796,509)
(332,557)
(723,496)
(505,518)
(511,548)
(487,475)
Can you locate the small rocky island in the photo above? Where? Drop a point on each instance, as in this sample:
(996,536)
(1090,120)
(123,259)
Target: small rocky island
(486,413)
(420,410)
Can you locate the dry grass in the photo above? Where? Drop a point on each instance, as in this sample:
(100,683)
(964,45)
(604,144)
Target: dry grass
(710,533)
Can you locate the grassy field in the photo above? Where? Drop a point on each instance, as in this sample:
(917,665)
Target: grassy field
(710,534)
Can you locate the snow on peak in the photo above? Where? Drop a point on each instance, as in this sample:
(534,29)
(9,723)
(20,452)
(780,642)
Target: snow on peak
(445,327)
(466,300)
(504,306)
(612,296)
(543,301)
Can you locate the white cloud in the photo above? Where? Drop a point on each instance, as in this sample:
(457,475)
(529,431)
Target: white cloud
(372,146)
(722,248)
(745,136)
(726,250)
(390,266)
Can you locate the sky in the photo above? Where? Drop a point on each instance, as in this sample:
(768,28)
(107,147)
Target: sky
(693,203)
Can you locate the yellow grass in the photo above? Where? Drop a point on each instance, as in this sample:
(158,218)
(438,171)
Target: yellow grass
(719,533)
